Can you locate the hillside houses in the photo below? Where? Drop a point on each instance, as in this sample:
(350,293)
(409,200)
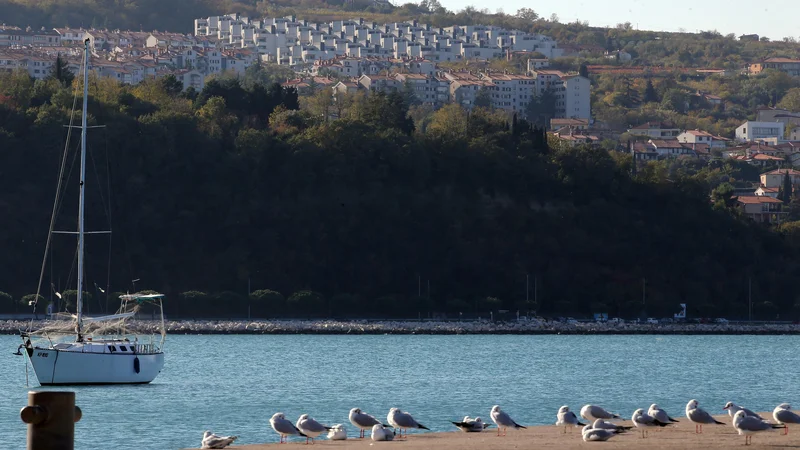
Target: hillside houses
(289,40)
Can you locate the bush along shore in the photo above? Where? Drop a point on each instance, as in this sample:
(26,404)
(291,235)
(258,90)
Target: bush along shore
(429,327)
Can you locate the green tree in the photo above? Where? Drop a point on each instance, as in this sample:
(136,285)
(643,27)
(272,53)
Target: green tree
(786,193)
(7,302)
(171,85)
(675,100)
(483,98)
(791,101)
(542,108)
(650,94)
(583,71)
(307,303)
(61,72)
(267,303)
(527,14)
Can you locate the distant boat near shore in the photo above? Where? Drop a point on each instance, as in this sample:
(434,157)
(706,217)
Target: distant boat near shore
(78,350)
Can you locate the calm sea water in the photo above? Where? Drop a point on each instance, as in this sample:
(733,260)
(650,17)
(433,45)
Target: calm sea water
(233,384)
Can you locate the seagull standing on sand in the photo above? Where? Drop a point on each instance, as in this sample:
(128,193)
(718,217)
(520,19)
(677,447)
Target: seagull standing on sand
(592,413)
(469,425)
(566,418)
(733,408)
(503,420)
(597,434)
(699,416)
(747,426)
(403,421)
(783,414)
(379,433)
(283,427)
(660,415)
(601,424)
(362,420)
(337,433)
(211,440)
(644,421)
(310,427)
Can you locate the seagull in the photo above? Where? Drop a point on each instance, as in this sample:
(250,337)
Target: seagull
(566,418)
(592,412)
(284,427)
(503,420)
(403,421)
(659,414)
(337,433)
(643,421)
(596,434)
(783,415)
(699,416)
(380,433)
(310,427)
(211,440)
(603,425)
(468,425)
(362,420)
(733,408)
(749,425)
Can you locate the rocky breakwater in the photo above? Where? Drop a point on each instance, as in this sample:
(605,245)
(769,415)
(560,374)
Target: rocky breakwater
(427,327)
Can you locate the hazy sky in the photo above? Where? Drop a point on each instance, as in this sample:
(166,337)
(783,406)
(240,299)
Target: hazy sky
(775,19)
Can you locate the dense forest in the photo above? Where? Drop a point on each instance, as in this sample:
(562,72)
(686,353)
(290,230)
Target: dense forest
(364,207)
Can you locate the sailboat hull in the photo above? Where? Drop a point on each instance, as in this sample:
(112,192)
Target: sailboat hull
(56,367)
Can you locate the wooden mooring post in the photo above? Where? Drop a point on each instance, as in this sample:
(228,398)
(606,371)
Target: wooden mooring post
(51,418)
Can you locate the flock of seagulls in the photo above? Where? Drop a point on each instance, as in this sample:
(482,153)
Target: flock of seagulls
(596,422)
(745,422)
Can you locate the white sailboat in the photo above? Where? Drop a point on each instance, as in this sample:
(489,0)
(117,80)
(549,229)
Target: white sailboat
(77,350)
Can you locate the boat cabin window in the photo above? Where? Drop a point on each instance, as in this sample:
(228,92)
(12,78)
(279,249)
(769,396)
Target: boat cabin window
(112,348)
(122,348)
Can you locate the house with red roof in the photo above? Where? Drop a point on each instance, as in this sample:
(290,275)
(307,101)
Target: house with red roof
(762,208)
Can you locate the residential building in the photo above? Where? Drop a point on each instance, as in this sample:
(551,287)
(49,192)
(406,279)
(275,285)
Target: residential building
(16,37)
(655,130)
(703,137)
(644,152)
(669,148)
(574,139)
(619,55)
(762,209)
(788,65)
(428,90)
(574,97)
(511,92)
(379,83)
(766,191)
(575,124)
(754,131)
(774,179)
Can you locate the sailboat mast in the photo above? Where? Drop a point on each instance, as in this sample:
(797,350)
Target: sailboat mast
(81,201)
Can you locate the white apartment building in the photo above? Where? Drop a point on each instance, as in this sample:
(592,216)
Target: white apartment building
(573,92)
(702,137)
(359,38)
(511,92)
(755,131)
(574,98)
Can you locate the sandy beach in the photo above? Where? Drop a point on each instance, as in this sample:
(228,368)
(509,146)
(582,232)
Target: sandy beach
(679,436)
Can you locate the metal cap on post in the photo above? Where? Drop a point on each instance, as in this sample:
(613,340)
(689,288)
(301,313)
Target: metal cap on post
(51,418)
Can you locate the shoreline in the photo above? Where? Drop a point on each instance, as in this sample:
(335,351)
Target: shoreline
(676,436)
(410,327)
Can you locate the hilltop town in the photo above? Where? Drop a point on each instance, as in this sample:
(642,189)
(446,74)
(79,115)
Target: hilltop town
(522,74)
